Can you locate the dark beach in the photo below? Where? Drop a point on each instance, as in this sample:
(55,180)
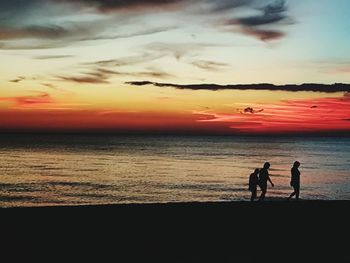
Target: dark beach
(273,231)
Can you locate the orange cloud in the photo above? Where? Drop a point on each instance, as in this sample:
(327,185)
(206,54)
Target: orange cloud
(313,115)
(23,101)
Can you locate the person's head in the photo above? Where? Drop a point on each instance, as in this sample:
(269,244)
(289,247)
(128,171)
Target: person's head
(257,170)
(296,164)
(267,165)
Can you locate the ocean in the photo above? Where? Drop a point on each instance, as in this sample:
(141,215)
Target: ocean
(45,170)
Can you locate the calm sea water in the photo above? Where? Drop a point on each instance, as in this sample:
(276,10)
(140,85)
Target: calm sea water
(38,170)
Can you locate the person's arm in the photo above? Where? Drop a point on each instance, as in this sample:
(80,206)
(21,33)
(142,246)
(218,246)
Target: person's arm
(268,178)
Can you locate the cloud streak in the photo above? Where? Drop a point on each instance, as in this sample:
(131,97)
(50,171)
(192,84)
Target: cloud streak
(86,79)
(144,32)
(337,87)
(53,57)
(102,76)
(24,101)
(209,65)
(18,79)
(127,61)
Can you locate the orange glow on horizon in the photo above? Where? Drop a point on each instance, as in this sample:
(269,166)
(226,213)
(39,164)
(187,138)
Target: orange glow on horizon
(293,116)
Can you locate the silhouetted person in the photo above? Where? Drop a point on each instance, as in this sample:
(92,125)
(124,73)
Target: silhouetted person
(295,180)
(253,183)
(263,178)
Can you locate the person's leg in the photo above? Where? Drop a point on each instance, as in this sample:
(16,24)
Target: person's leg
(291,195)
(297,191)
(262,196)
(253,195)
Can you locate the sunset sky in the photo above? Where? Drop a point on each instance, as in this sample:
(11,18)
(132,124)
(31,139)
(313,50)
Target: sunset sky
(128,66)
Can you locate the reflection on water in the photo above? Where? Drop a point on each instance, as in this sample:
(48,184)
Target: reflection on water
(91,169)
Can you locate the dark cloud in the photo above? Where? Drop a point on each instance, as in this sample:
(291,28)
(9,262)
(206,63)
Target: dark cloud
(144,83)
(313,107)
(18,79)
(259,20)
(272,14)
(116,5)
(151,74)
(141,6)
(251,110)
(85,79)
(144,5)
(225,5)
(337,87)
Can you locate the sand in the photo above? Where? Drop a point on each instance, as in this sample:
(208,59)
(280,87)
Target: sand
(274,231)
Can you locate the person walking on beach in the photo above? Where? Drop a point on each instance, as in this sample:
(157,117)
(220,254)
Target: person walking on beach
(295,180)
(253,183)
(263,178)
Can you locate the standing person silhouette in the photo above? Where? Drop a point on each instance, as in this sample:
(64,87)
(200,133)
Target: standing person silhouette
(253,183)
(263,178)
(295,180)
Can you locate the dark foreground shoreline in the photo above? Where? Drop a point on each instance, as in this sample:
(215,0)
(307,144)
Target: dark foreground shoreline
(306,231)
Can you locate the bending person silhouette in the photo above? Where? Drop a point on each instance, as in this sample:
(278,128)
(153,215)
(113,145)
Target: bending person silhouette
(253,183)
(263,178)
(295,180)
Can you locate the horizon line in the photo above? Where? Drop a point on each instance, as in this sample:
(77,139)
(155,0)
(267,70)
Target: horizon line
(166,133)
